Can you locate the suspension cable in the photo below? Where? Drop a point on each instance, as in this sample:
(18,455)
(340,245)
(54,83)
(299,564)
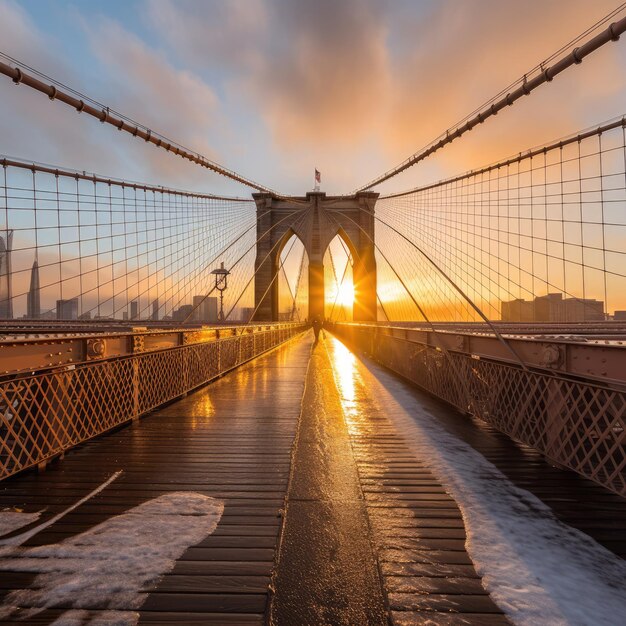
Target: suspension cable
(458,289)
(22,74)
(593,131)
(297,290)
(261,264)
(543,73)
(264,234)
(358,259)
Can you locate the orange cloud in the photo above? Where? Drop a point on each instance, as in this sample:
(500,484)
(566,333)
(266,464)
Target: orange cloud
(354,87)
(467,52)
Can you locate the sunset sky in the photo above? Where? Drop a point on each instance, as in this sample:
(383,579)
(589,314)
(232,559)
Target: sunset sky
(275,88)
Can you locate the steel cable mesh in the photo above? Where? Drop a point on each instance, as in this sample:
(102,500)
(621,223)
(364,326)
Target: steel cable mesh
(74,248)
(552,223)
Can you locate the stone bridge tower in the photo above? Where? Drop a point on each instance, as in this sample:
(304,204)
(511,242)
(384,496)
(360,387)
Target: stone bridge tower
(315,219)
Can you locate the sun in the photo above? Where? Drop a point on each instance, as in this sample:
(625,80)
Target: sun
(344,295)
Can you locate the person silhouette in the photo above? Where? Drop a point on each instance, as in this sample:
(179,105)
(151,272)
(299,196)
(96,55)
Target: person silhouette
(317,327)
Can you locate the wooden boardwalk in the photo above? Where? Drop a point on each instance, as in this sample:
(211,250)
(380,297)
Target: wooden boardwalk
(232,441)
(349,473)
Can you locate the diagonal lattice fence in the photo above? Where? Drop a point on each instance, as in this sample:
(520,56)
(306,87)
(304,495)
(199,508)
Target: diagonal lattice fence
(45,414)
(580,425)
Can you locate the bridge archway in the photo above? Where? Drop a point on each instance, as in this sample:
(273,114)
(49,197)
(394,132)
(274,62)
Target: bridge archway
(316,219)
(292,276)
(339,279)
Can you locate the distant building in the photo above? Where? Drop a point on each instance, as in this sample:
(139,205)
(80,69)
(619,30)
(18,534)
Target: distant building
(33,302)
(549,308)
(67,309)
(620,316)
(518,311)
(246,313)
(583,310)
(6,295)
(85,316)
(134,309)
(204,309)
(124,316)
(155,311)
(553,308)
(182,313)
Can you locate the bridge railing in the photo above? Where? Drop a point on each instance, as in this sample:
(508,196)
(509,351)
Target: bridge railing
(45,413)
(578,424)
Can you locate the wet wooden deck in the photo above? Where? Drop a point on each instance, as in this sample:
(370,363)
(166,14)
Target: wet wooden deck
(233,441)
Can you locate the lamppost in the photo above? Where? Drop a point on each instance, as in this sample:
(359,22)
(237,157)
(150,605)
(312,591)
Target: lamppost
(221,284)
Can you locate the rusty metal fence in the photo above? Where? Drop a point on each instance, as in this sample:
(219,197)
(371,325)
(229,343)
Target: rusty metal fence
(44,414)
(577,424)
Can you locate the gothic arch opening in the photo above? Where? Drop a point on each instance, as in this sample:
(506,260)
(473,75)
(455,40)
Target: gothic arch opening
(292,267)
(339,279)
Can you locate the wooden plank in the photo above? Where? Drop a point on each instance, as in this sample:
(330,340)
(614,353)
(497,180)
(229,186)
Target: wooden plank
(206,602)
(173,583)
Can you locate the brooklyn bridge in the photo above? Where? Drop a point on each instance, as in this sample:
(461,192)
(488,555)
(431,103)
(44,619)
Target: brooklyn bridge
(403,402)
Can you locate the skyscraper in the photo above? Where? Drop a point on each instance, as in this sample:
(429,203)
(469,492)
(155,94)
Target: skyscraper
(205,309)
(33,303)
(134,309)
(6,297)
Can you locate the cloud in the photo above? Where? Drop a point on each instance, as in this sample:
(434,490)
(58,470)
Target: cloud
(146,87)
(467,52)
(314,75)
(18,34)
(325,77)
(212,33)
(133,78)
(25,126)
(354,87)
(351,88)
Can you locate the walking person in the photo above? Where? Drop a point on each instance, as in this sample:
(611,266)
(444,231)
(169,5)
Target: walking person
(317,327)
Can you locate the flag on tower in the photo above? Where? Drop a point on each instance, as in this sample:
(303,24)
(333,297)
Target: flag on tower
(318,176)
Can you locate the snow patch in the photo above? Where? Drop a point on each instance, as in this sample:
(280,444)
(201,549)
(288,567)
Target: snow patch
(112,566)
(536,568)
(12,520)
(18,540)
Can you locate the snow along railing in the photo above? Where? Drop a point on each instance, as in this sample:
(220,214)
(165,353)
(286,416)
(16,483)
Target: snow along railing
(576,423)
(44,413)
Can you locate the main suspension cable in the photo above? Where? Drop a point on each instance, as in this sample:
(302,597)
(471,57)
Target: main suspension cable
(522,87)
(22,74)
